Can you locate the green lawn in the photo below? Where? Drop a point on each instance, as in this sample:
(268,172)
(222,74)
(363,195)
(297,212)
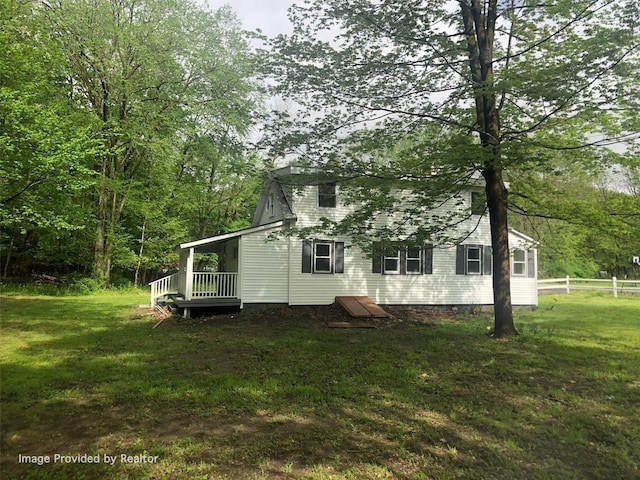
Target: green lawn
(276,394)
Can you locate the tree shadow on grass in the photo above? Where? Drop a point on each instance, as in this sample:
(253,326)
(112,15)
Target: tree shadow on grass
(279,395)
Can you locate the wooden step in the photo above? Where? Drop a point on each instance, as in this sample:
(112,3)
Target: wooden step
(361,307)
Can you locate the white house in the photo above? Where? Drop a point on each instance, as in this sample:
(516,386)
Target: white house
(254,268)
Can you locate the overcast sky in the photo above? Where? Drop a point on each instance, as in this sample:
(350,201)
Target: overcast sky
(270,16)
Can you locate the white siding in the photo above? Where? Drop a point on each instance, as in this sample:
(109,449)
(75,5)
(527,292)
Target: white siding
(264,214)
(264,268)
(524,289)
(270,271)
(442,287)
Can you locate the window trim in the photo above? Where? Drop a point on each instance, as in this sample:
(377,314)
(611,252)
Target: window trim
(522,262)
(425,260)
(331,256)
(333,195)
(310,257)
(419,258)
(397,271)
(486,259)
(477,248)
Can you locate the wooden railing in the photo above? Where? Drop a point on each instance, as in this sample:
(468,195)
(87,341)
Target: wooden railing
(567,284)
(162,286)
(218,284)
(205,284)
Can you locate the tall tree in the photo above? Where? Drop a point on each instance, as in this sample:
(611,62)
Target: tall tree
(456,90)
(45,143)
(151,72)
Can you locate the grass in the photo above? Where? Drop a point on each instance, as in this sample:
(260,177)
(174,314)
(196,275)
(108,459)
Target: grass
(276,394)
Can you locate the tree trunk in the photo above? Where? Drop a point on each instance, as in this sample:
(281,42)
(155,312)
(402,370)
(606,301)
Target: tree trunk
(102,262)
(497,204)
(479,25)
(139,264)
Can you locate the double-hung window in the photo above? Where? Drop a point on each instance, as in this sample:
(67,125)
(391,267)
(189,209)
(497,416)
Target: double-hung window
(322,256)
(519,262)
(473,260)
(327,197)
(403,261)
(392,262)
(523,263)
(413,261)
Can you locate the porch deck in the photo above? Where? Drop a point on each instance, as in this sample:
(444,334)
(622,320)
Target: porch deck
(203,302)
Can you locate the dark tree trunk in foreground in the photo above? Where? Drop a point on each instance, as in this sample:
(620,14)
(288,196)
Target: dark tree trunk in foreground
(497,205)
(479,25)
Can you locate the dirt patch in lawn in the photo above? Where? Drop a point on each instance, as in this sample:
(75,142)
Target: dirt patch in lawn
(323,315)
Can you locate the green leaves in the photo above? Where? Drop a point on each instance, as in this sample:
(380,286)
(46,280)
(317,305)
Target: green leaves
(109,111)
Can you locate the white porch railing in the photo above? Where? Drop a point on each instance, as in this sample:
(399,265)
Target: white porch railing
(218,284)
(162,286)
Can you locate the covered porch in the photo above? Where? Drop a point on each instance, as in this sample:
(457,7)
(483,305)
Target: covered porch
(207,276)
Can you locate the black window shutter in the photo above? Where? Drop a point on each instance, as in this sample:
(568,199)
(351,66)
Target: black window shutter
(487,260)
(427,262)
(531,264)
(460,260)
(402,258)
(307,256)
(377,259)
(339,257)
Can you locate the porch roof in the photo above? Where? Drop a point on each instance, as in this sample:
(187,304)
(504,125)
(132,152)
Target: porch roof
(204,244)
(527,238)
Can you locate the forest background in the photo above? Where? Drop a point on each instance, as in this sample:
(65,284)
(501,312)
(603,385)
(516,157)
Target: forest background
(128,127)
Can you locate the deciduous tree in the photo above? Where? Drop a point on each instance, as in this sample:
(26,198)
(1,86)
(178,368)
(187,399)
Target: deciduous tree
(458,90)
(152,73)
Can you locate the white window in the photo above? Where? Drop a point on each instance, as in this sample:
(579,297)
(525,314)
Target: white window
(392,262)
(519,262)
(322,257)
(327,195)
(414,260)
(473,260)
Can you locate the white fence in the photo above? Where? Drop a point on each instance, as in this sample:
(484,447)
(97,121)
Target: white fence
(219,284)
(612,285)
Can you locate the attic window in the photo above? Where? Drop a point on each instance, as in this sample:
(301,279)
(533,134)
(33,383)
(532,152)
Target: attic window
(271,202)
(327,195)
(478,203)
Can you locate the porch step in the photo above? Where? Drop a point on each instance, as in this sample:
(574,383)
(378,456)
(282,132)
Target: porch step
(361,307)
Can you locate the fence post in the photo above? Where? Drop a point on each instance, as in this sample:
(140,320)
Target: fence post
(568,289)
(615,287)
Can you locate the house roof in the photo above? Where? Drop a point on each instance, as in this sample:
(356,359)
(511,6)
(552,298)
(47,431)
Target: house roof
(521,235)
(227,236)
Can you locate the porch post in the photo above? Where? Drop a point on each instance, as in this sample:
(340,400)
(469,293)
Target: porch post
(188,290)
